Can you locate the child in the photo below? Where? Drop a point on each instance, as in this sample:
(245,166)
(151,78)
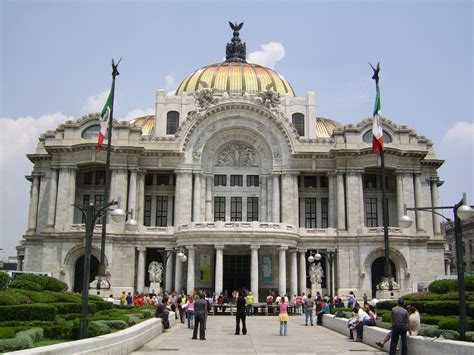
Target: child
(283,316)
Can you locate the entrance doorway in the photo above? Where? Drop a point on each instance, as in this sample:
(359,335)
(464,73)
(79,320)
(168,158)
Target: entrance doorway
(79,272)
(236,273)
(377,272)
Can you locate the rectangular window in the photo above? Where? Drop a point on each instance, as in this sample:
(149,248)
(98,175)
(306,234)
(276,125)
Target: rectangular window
(100,177)
(236,180)
(252,209)
(310,181)
(324,213)
(86,200)
(236,209)
(148,179)
(99,200)
(310,212)
(323,180)
(370,181)
(161,211)
(162,180)
(371,212)
(220,180)
(252,180)
(88,178)
(147,211)
(219,208)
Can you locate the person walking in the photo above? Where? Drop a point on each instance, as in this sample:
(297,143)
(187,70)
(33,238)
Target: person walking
(283,316)
(200,317)
(189,306)
(399,320)
(308,305)
(240,315)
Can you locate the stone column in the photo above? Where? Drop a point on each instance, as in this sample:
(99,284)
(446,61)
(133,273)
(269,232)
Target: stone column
(118,187)
(53,194)
(219,269)
(418,203)
(341,208)
(276,199)
(190,278)
(178,276)
(400,201)
(197,198)
(141,269)
(169,271)
(331,201)
(302,273)
(293,273)
(66,198)
(132,193)
(33,213)
(140,200)
(263,200)
(296,202)
(269,199)
(287,208)
(282,271)
(254,271)
(354,198)
(435,203)
(183,197)
(209,184)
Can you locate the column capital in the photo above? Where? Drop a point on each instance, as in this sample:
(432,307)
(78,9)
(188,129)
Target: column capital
(219,247)
(191,247)
(302,250)
(141,249)
(254,247)
(292,251)
(283,248)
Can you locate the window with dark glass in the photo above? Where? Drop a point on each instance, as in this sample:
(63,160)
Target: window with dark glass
(88,178)
(310,181)
(323,180)
(371,212)
(370,181)
(148,179)
(86,200)
(252,180)
(92,132)
(235,209)
(219,208)
(99,200)
(236,180)
(147,211)
(220,180)
(162,179)
(310,212)
(298,122)
(100,177)
(161,211)
(172,122)
(324,213)
(252,209)
(368,137)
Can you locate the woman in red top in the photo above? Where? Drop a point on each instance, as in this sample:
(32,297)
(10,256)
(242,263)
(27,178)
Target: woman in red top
(283,316)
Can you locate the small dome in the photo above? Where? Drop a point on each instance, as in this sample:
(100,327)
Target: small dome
(235,78)
(325,127)
(146,123)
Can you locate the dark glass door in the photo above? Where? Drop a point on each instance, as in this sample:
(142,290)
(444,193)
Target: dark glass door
(236,273)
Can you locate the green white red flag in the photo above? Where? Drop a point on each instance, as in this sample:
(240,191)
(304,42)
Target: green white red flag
(377,131)
(104,118)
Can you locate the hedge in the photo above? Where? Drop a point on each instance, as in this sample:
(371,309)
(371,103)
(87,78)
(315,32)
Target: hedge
(4,280)
(11,297)
(25,285)
(22,340)
(65,308)
(38,296)
(444,286)
(28,312)
(102,305)
(45,282)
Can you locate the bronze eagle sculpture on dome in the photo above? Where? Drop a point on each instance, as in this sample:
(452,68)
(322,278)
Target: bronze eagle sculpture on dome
(236,27)
(236,50)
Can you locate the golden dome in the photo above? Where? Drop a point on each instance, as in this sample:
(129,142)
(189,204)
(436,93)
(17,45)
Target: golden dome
(146,123)
(235,78)
(325,127)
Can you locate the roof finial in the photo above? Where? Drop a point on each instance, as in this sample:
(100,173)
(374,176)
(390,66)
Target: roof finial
(236,50)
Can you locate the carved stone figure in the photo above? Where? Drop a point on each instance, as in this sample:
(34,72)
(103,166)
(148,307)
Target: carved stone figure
(205,98)
(236,155)
(316,274)
(270,98)
(155,271)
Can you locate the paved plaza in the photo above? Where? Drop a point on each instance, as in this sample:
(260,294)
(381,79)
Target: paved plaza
(262,337)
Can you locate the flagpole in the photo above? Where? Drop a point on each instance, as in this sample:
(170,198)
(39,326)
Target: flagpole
(387,268)
(101,272)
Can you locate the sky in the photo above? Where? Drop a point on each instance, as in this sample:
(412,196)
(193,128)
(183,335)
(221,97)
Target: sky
(55,65)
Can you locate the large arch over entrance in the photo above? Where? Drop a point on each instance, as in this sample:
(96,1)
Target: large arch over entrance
(79,272)
(377,271)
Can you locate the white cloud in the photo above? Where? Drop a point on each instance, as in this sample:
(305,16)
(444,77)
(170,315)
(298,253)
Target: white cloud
(95,103)
(270,54)
(138,112)
(461,133)
(170,83)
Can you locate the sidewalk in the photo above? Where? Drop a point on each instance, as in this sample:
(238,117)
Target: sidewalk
(262,337)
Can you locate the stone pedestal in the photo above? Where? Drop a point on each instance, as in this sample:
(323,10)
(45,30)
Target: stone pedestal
(155,286)
(315,289)
(388,289)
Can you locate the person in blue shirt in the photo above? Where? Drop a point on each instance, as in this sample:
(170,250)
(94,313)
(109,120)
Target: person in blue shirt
(324,310)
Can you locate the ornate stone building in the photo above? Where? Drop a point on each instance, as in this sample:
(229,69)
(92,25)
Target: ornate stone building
(245,178)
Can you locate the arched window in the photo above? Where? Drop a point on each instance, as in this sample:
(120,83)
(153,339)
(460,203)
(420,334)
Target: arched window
(367,137)
(91,132)
(172,122)
(298,122)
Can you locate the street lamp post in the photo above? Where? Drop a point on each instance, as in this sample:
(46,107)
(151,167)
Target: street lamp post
(92,213)
(331,256)
(461,212)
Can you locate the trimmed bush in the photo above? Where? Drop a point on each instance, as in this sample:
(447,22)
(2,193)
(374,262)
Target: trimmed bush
(4,280)
(72,316)
(103,327)
(10,296)
(22,340)
(442,286)
(433,320)
(116,324)
(65,308)
(65,296)
(443,308)
(386,305)
(25,285)
(133,319)
(449,334)
(429,330)
(28,312)
(102,305)
(449,323)
(7,332)
(384,325)
(470,336)
(45,282)
(37,296)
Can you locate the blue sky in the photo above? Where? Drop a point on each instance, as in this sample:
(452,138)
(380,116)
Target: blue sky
(55,65)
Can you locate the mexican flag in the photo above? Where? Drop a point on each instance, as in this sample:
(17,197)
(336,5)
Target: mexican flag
(377,131)
(104,118)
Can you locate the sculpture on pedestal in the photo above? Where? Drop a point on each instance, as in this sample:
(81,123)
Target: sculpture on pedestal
(155,271)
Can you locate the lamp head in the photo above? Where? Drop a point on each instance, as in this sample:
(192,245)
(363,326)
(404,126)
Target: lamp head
(311,259)
(131,225)
(118,215)
(464,212)
(317,257)
(405,221)
(184,258)
(180,254)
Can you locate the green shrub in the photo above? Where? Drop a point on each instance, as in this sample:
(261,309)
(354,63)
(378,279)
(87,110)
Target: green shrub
(449,323)
(95,298)
(386,317)
(103,327)
(93,330)
(421,296)
(65,308)
(4,280)
(102,305)
(450,334)
(444,308)
(133,319)
(59,331)
(433,320)
(25,285)
(72,316)
(442,286)
(11,296)
(384,325)
(37,296)
(470,336)
(430,331)
(116,324)
(65,296)
(7,332)
(45,282)
(22,340)
(28,312)
(469,282)
(386,305)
